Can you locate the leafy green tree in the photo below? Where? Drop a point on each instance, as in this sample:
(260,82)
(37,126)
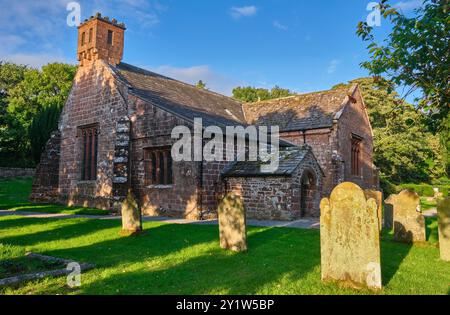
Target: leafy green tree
(45,122)
(250,94)
(404,149)
(25,92)
(416,55)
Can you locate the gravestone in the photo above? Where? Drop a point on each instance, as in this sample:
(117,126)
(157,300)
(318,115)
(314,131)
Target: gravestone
(444,228)
(131,216)
(409,223)
(232,223)
(350,238)
(378,197)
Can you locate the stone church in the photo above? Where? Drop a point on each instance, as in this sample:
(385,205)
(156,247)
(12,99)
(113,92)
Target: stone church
(114,134)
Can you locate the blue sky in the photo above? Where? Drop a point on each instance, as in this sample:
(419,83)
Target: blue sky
(298,44)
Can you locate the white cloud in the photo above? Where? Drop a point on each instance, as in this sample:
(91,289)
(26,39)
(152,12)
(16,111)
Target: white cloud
(280,26)
(238,12)
(333,65)
(34,60)
(408,5)
(214,81)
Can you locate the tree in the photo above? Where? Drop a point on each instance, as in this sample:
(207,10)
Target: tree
(404,149)
(201,85)
(41,128)
(250,94)
(25,93)
(416,54)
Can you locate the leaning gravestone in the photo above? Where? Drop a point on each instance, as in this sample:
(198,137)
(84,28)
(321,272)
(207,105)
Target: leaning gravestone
(378,197)
(409,222)
(131,216)
(232,223)
(350,238)
(444,228)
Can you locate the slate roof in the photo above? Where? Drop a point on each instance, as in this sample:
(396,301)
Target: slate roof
(180,98)
(290,159)
(300,112)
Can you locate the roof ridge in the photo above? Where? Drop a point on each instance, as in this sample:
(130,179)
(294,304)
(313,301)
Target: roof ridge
(297,95)
(181,82)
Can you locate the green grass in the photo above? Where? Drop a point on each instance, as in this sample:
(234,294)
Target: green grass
(14,195)
(187,259)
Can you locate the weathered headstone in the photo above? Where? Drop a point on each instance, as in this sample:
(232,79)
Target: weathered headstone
(378,197)
(350,238)
(131,216)
(444,228)
(232,223)
(409,222)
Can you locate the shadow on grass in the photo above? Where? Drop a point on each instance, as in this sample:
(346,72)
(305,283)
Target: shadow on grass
(270,258)
(432,233)
(176,258)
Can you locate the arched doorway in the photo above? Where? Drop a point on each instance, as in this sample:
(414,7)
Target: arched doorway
(308,190)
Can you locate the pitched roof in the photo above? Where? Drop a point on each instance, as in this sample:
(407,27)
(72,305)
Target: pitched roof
(300,112)
(289,159)
(181,99)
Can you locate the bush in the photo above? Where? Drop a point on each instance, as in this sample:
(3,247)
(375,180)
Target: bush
(424,190)
(387,187)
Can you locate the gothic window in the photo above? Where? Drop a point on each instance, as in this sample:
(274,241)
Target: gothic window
(356,155)
(158,166)
(90,35)
(89,136)
(110,37)
(83,38)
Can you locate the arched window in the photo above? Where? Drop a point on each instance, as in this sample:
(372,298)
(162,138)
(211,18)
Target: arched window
(356,155)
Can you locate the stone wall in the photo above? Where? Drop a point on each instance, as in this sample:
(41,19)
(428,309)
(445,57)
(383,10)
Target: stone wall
(152,127)
(15,172)
(45,185)
(96,98)
(278,198)
(354,120)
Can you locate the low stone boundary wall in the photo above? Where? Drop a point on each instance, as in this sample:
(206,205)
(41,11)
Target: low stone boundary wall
(11,172)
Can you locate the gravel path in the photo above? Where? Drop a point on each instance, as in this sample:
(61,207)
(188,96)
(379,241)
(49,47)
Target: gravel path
(299,224)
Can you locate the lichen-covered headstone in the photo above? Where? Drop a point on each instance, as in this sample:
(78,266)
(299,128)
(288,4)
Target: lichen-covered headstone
(350,238)
(232,223)
(378,197)
(409,222)
(444,228)
(131,216)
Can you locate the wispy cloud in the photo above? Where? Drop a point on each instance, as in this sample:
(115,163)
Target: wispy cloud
(33,32)
(333,65)
(408,5)
(238,12)
(280,26)
(214,81)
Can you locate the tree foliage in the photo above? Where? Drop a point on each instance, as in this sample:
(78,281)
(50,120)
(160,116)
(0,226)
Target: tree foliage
(416,54)
(404,149)
(25,94)
(250,94)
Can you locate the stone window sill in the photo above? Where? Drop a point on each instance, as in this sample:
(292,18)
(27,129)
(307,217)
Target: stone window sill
(86,182)
(159,186)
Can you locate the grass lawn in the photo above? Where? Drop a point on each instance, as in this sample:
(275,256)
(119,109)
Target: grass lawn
(187,259)
(14,195)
